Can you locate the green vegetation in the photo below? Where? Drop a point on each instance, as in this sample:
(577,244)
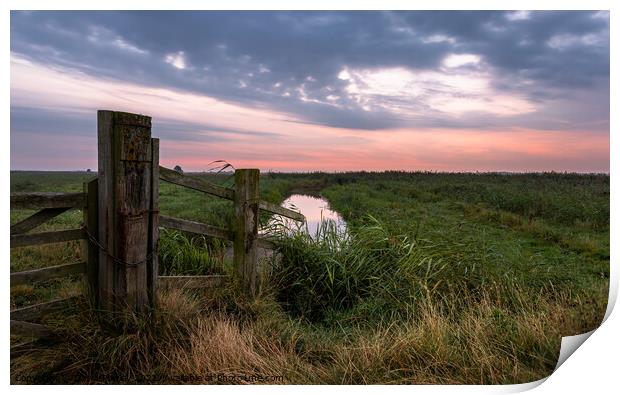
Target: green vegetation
(189,255)
(442,278)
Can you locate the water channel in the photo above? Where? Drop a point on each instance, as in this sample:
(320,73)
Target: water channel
(316,210)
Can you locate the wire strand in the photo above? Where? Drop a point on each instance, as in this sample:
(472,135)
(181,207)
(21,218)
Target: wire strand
(115,259)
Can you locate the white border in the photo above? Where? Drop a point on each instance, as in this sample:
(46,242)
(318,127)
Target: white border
(593,368)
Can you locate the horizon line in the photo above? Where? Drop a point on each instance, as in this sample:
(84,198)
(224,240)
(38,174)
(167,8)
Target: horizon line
(503,172)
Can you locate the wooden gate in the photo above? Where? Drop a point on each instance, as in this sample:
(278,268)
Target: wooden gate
(121,224)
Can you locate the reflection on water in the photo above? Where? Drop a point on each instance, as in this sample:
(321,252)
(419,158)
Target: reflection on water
(315,210)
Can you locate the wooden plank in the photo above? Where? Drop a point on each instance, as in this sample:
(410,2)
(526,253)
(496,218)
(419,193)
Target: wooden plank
(206,230)
(192,281)
(46,273)
(39,200)
(195,227)
(125,209)
(46,237)
(195,183)
(36,219)
(29,329)
(285,212)
(132,202)
(90,250)
(37,311)
(105,272)
(245,243)
(153,268)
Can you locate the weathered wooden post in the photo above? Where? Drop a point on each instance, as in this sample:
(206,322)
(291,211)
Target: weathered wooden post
(91,251)
(153,268)
(127,217)
(246,227)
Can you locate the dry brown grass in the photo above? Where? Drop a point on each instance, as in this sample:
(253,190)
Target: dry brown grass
(201,339)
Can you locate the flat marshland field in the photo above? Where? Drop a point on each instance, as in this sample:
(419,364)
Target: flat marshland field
(441,278)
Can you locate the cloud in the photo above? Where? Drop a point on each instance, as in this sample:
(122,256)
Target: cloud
(458,60)
(518,15)
(292,61)
(177,60)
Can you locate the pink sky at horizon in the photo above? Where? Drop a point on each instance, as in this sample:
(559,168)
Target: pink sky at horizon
(277,141)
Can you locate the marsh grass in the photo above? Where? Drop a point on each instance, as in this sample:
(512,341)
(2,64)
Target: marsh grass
(193,339)
(185,254)
(441,278)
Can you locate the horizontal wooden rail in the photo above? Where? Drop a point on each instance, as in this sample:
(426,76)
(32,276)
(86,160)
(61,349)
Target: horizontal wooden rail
(47,273)
(36,219)
(46,237)
(29,329)
(275,209)
(37,311)
(206,230)
(39,200)
(195,183)
(192,281)
(195,227)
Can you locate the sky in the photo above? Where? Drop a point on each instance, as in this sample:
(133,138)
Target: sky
(330,91)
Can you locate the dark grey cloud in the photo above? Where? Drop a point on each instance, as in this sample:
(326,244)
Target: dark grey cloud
(51,122)
(290,61)
(84,124)
(202,131)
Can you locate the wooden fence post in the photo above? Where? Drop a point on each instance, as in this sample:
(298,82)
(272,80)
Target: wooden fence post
(91,251)
(245,242)
(153,268)
(125,210)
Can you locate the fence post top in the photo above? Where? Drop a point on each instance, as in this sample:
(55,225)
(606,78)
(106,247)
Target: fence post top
(248,170)
(126,118)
